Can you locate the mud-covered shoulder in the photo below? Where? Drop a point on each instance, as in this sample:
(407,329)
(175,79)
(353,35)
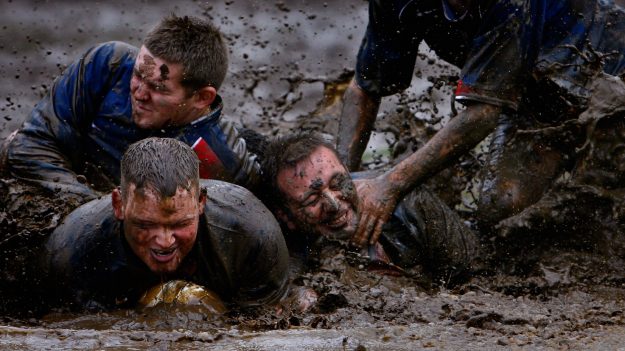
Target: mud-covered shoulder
(115,51)
(236,209)
(246,241)
(84,230)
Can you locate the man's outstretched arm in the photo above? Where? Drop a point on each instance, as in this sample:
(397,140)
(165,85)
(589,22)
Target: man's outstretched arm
(379,196)
(47,149)
(36,155)
(355,124)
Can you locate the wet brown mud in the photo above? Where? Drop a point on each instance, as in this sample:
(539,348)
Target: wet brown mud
(558,277)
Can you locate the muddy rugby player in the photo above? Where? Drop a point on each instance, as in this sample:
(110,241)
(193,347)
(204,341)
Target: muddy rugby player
(117,94)
(526,65)
(312,194)
(163,224)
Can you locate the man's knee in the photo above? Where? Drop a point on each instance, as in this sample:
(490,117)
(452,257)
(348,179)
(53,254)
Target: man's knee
(518,179)
(500,202)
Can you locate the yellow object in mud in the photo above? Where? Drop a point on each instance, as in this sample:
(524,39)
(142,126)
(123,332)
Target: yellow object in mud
(181,292)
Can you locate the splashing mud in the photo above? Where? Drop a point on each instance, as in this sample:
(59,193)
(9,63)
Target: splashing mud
(559,277)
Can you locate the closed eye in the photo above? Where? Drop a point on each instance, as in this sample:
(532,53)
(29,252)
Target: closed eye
(144,225)
(310,200)
(339,181)
(183,224)
(156,86)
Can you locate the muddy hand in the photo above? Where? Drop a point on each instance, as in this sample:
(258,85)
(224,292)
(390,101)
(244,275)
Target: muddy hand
(300,299)
(377,202)
(305,299)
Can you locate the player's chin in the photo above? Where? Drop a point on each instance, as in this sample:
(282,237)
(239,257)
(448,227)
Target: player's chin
(165,267)
(142,121)
(343,233)
(139,119)
(145,119)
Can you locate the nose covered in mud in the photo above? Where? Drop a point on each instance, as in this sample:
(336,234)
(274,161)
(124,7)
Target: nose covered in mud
(338,216)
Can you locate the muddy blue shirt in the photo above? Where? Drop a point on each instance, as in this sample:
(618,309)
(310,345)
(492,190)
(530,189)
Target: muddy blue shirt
(84,125)
(239,253)
(509,50)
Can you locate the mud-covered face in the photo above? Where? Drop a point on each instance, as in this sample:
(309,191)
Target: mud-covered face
(157,96)
(160,231)
(320,196)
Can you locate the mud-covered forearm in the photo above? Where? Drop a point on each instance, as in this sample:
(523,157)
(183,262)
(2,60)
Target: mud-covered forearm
(50,173)
(355,124)
(47,149)
(36,154)
(456,138)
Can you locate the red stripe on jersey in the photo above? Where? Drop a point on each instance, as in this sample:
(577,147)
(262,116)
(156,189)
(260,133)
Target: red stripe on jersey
(210,165)
(462,89)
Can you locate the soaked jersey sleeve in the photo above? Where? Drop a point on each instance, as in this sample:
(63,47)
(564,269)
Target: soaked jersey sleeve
(46,149)
(222,152)
(426,231)
(247,170)
(234,163)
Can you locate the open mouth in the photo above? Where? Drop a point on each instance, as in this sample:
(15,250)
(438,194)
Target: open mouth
(164,255)
(338,221)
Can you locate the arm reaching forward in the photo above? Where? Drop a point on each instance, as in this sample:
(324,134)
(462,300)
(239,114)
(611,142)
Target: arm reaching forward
(355,124)
(379,196)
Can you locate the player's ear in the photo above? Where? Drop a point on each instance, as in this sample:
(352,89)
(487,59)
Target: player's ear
(118,204)
(204,97)
(202,199)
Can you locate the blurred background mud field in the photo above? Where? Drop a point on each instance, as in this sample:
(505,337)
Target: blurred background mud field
(560,284)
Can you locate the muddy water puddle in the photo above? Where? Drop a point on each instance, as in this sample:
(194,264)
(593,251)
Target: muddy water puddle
(570,302)
(471,320)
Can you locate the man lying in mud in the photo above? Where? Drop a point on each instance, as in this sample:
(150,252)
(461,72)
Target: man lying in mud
(526,65)
(312,194)
(163,224)
(116,94)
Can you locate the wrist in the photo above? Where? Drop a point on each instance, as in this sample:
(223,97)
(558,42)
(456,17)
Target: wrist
(391,184)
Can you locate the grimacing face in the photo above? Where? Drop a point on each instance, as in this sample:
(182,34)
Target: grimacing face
(160,231)
(158,98)
(320,196)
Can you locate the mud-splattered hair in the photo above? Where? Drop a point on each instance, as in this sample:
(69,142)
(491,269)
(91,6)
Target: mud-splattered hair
(160,164)
(194,43)
(285,152)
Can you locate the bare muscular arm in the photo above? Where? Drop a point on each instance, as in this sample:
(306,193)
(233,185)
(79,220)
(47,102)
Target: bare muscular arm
(379,196)
(355,124)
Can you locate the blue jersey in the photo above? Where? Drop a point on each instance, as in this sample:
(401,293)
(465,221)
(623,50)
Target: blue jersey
(510,51)
(84,125)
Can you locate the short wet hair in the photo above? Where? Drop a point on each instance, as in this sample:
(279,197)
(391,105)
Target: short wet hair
(162,165)
(286,152)
(196,44)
